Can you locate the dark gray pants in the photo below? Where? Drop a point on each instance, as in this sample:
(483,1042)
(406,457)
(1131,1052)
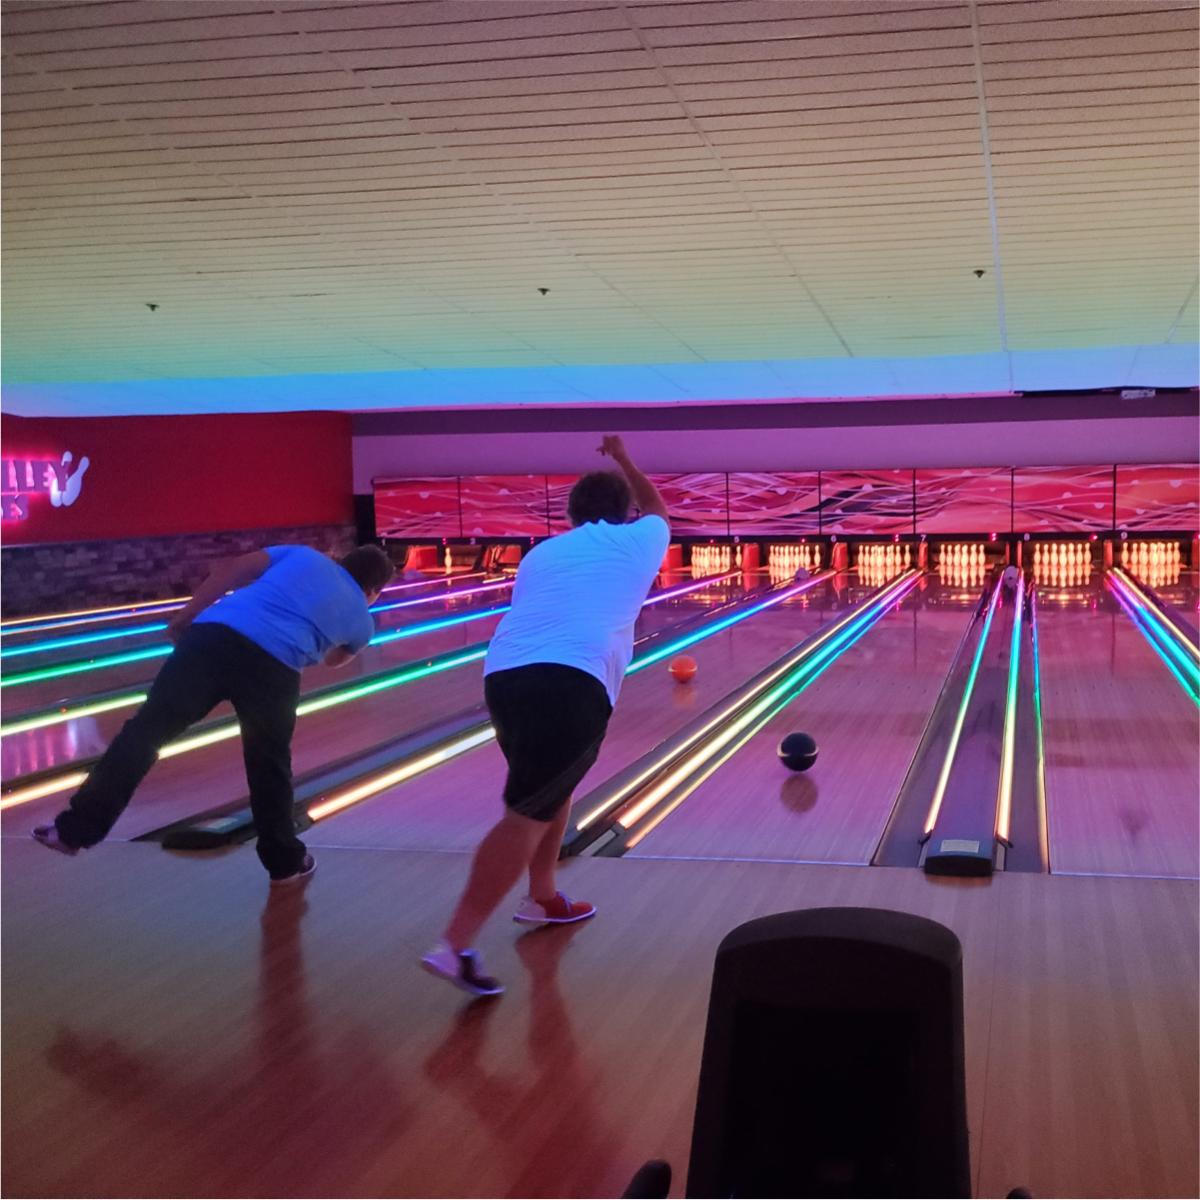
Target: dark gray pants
(211,663)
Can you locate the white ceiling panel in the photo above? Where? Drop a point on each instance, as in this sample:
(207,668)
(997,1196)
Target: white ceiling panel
(374,189)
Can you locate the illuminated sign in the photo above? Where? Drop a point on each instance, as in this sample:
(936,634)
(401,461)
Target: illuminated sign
(24,478)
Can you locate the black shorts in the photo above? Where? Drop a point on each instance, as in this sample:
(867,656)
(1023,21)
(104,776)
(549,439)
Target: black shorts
(550,721)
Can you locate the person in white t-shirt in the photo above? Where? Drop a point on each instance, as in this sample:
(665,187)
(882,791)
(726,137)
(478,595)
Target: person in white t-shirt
(551,677)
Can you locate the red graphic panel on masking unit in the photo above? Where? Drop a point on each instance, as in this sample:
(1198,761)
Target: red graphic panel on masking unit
(867,502)
(558,488)
(773,503)
(964,500)
(420,507)
(1162,496)
(1062,499)
(696,503)
(499,506)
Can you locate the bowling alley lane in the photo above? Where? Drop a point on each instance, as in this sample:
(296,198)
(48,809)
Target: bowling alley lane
(867,712)
(450,807)
(1122,760)
(62,743)
(191,783)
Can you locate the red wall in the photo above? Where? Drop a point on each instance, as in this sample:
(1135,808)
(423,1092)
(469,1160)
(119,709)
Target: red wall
(168,475)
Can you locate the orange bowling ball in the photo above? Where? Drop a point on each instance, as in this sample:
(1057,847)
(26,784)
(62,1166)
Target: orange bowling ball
(683,668)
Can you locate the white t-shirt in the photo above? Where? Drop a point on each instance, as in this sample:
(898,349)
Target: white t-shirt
(576,598)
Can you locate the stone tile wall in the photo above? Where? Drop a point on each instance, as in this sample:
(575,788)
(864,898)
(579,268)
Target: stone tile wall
(56,576)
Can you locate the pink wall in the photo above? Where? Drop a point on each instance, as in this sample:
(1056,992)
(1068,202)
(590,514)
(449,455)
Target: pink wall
(1001,443)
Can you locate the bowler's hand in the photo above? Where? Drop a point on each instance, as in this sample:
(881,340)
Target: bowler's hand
(614,447)
(178,627)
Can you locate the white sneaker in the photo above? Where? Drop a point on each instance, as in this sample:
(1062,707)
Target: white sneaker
(463,968)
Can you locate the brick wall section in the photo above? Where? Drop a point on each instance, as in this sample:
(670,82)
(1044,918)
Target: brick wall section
(53,577)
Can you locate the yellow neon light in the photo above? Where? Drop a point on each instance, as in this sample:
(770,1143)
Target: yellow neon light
(69,714)
(37,791)
(380,783)
(87,612)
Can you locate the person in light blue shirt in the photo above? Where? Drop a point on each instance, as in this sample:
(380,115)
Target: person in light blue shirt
(245,636)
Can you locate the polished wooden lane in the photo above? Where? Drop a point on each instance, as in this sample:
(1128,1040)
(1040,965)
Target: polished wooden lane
(169,1031)
(867,712)
(1122,759)
(450,807)
(202,779)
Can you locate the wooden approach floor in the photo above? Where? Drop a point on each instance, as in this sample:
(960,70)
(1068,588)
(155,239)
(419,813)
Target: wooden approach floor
(168,1032)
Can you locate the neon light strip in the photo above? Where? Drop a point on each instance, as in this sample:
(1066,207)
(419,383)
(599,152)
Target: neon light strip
(747,729)
(399,774)
(82,639)
(707,631)
(470,740)
(1135,615)
(1176,635)
(150,611)
(1043,818)
(952,749)
(23,624)
(473,591)
(1008,750)
(46,787)
(61,670)
(731,729)
(698,735)
(119,612)
(1160,630)
(43,720)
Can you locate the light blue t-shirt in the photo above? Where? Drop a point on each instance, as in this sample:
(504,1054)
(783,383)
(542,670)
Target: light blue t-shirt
(298,609)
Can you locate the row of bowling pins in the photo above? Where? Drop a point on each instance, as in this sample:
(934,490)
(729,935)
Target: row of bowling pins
(962,552)
(790,556)
(888,555)
(711,560)
(1063,553)
(1136,553)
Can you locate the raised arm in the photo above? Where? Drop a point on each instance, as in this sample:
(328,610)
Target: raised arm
(228,576)
(645,494)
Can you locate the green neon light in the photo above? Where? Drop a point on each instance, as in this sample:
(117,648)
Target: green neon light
(473,654)
(78,668)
